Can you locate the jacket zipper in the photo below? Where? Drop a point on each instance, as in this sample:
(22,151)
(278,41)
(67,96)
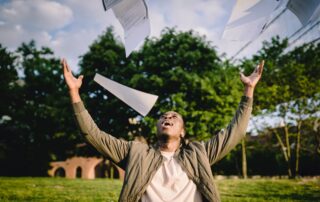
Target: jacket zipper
(201,190)
(150,178)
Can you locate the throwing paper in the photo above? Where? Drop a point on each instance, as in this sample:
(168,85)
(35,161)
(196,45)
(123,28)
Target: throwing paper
(133,16)
(248,18)
(140,101)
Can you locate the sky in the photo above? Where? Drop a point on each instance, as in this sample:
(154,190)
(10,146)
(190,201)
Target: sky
(68,27)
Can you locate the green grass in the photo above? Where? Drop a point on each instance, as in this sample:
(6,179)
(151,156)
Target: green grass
(60,189)
(256,190)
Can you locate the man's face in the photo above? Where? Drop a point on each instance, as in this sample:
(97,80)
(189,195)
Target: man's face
(170,124)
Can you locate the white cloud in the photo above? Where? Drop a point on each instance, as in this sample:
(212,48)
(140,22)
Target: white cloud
(90,20)
(36,14)
(13,35)
(23,21)
(68,27)
(73,44)
(189,14)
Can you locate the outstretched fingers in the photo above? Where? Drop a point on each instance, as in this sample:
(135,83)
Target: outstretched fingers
(261,67)
(66,69)
(256,70)
(80,78)
(64,66)
(67,66)
(242,76)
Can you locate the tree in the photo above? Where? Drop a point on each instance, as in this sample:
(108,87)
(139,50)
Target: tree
(189,77)
(41,126)
(180,67)
(290,87)
(51,127)
(9,89)
(106,56)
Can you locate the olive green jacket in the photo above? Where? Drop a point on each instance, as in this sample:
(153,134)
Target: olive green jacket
(141,161)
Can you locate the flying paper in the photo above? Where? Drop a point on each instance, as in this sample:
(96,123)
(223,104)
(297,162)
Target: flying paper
(133,16)
(140,101)
(109,3)
(316,15)
(306,10)
(248,18)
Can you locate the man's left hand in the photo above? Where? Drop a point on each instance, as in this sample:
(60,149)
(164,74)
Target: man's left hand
(251,81)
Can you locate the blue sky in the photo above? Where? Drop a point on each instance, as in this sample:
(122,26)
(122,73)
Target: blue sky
(70,26)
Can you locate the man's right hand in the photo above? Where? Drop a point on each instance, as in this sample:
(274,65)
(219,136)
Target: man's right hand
(73,83)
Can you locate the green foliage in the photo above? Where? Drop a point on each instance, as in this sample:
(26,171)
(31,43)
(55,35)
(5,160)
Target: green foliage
(9,90)
(292,76)
(8,78)
(41,126)
(185,71)
(290,86)
(106,56)
(180,67)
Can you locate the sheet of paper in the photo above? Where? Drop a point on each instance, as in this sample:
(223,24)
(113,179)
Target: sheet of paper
(133,16)
(107,4)
(316,15)
(248,18)
(305,10)
(140,101)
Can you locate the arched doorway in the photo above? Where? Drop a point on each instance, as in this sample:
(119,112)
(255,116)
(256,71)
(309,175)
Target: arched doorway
(78,172)
(100,170)
(60,172)
(106,169)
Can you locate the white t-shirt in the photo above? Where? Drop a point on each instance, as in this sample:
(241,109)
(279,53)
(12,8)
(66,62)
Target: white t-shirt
(171,184)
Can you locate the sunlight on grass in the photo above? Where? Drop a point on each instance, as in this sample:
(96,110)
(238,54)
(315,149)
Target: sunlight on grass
(269,190)
(60,189)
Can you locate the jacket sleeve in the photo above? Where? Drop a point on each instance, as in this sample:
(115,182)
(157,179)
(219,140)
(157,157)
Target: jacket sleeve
(111,147)
(223,142)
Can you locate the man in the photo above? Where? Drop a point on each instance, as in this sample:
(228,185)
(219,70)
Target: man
(173,170)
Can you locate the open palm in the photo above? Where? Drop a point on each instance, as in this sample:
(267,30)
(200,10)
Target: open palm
(72,82)
(254,77)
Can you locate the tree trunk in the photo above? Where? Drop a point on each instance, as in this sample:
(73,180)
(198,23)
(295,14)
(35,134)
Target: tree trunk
(244,159)
(298,149)
(316,127)
(285,152)
(286,133)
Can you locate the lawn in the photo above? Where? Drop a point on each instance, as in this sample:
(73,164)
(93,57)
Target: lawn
(59,189)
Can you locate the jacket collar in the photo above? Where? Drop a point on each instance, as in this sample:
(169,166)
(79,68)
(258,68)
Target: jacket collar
(183,142)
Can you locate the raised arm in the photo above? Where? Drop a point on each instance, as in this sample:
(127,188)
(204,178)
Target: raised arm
(221,144)
(111,147)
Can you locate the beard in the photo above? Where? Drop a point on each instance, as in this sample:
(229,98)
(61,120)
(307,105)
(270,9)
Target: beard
(165,137)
